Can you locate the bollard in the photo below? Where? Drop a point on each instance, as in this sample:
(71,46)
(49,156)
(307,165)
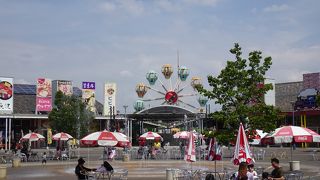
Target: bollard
(3,172)
(126,157)
(16,162)
(294,165)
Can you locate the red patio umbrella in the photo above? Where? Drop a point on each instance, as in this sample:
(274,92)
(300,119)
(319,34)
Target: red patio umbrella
(150,136)
(291,134)
(62,136)
(287,134)
(105,138)
(32,137)
(242,151)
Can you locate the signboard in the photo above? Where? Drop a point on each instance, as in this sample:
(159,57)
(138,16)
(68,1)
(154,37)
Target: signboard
(49,135)
(88,95)
(44,95)
(65,87)
(110,90)
(6,95)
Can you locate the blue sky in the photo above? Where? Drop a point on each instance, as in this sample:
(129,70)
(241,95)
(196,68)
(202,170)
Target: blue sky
(121,40)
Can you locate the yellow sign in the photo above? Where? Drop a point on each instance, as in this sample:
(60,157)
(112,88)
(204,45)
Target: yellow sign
(49,136)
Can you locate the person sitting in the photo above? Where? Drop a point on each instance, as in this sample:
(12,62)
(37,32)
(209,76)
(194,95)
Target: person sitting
(209,177)
(242,173)
(277,173)
(252,171)
(265,176)
(82,171)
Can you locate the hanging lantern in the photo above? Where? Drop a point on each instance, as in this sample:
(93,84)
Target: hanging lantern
(183,73)
(167,71)
(195,81)
(138,105)
(141,90)
(202,100)
(152,77)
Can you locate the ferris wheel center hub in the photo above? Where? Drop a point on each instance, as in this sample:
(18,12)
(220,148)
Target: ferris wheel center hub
(171,97)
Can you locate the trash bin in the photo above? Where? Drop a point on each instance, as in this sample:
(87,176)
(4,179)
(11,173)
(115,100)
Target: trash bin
(170,174)
(294,165)
(126,157)
(3,171)
(16,162)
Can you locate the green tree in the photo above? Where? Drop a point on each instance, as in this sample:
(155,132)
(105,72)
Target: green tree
(70,114)
(239,89)
(318,99)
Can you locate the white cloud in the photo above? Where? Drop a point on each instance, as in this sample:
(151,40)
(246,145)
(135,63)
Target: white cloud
(276,8)
(168,5)
(108,6)
(132,6)
(129,6)
(203,2)
(290,64)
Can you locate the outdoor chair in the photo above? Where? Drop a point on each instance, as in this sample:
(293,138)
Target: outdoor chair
(50,155)
(280,155)
(23,157)
(183,175)
(164,154)
(314,155)
(64,156)
(124,175)
(261,154)
(34,156)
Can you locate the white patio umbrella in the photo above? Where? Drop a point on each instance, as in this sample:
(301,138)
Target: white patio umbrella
(242,150)
(105,138)
(32,137)
(290,134)
(150,136)
(185,135)
(62,136)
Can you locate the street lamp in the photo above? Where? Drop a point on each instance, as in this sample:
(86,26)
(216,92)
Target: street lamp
(293,144)
(126,120)
(292,103)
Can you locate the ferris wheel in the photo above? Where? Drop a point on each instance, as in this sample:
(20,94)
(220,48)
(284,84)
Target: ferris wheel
(171,92)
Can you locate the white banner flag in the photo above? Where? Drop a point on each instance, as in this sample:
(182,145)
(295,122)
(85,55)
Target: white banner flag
(110,90)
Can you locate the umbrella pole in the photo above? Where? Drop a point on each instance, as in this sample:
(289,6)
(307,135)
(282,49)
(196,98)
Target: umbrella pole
(291,150)
(215,168)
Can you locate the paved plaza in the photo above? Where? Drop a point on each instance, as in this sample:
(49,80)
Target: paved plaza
(155,169)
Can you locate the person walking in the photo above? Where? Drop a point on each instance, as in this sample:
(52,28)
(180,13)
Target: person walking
(44,158)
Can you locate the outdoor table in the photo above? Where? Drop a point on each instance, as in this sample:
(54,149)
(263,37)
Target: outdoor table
(122,173)
(294,175)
